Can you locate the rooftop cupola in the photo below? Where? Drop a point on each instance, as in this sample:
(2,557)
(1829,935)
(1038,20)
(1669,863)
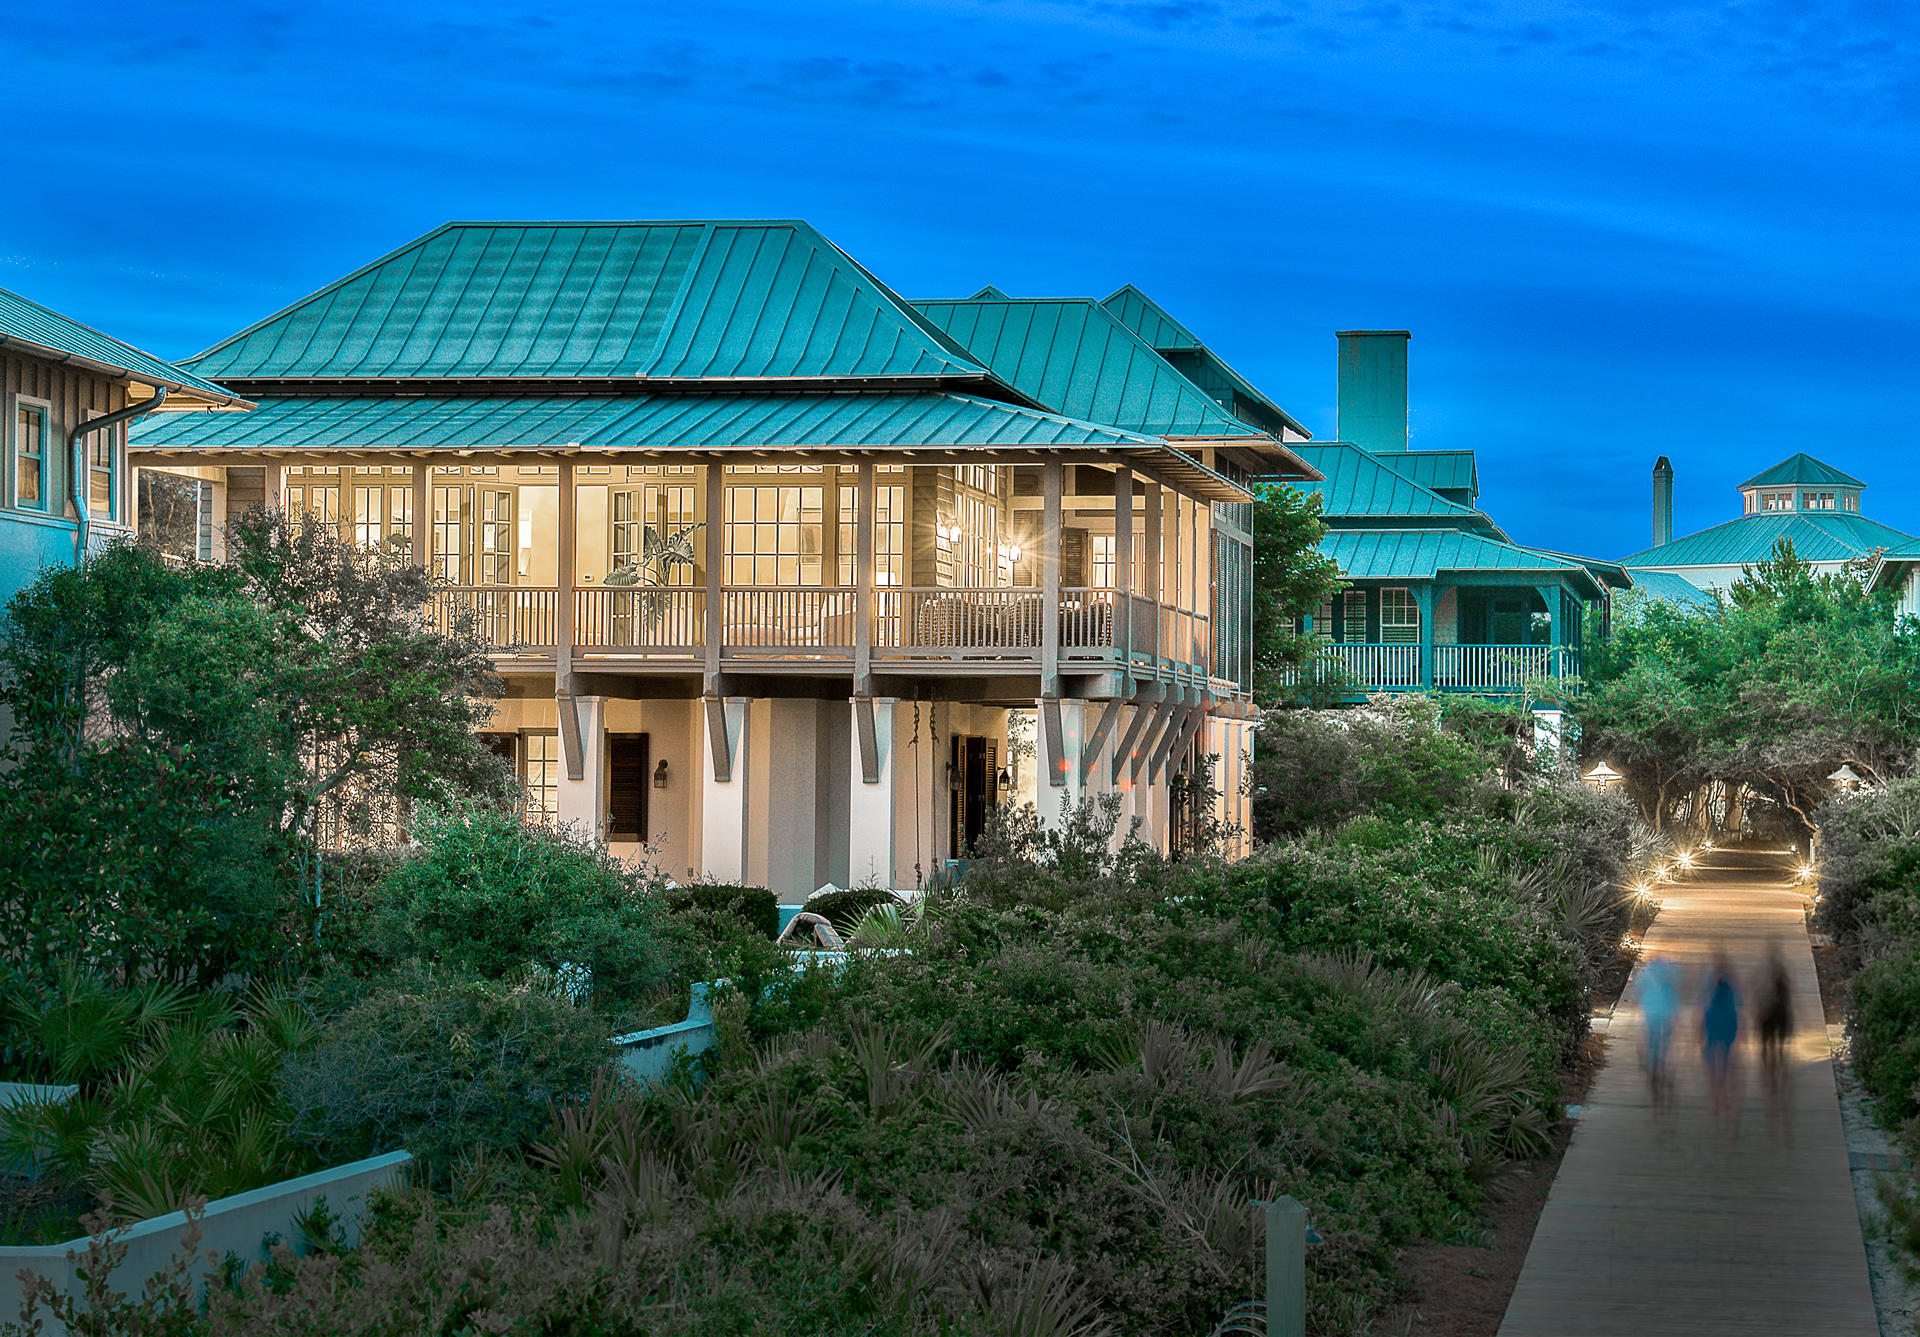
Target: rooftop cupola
(1373,389)
(1800,483)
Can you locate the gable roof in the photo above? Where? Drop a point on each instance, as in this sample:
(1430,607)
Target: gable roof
(1148,319)
(1072,356)
(1360,485)
(1802,469)
(44,332)
(1186,354)
(1669,588)
(1818,536)
(673,300)
(1452,470)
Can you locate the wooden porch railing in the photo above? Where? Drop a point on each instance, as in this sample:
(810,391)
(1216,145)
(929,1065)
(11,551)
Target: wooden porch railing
(616,621)
(509,617)
(1480,667)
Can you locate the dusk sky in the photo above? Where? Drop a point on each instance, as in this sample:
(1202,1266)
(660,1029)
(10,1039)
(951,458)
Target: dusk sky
(1617,229)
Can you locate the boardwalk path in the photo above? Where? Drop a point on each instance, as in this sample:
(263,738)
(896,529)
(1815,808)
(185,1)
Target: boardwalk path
(1659,1224)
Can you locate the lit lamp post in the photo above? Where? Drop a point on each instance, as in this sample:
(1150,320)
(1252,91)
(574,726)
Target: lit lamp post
(1603,776)
(1846,777)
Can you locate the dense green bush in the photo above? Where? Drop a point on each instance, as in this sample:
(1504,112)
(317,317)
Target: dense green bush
(489,895)
(1886,1033)
(757,906)
(440,1065)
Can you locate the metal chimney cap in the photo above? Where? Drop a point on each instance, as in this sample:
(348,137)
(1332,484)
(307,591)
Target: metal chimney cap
(1663,465)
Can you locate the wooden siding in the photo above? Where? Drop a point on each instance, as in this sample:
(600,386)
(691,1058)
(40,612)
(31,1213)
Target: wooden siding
(73,393)
(246,488)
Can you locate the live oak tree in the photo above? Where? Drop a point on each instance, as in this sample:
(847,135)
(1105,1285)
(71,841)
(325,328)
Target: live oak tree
(1290,578)
(185,736)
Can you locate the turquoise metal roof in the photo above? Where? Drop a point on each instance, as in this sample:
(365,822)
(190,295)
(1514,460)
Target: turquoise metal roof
(1360,485)
(1148,319)
(1425,554)
(1449,470)
(1818,536)
(1802,469)
(47,333)
(664,421)
(1074,357)
(1669,588)
(747,300)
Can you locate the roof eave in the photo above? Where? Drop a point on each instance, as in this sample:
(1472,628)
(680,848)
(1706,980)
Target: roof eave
(198,395)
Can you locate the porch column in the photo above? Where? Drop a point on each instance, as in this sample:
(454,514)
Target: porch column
(1424,600)
(716,490)
(871,821)
(723,783)
(422,513)
(1150,573)
(583,801)
(1123,563)
(1550,596)
(566,554)
(1177,586)
(863,610)
(274,483)
(1050,579)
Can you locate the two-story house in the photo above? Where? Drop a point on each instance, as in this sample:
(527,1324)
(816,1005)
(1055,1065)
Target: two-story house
(69,393)
(1438,597)
(770,555)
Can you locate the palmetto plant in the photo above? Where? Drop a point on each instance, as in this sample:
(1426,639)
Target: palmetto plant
(651,569)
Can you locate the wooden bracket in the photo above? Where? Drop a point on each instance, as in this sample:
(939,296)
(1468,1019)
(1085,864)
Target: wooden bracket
(868,736)
(718,740)
(1056,743)
(1090,749)
(1128,750)
(1160,721)
(572,754)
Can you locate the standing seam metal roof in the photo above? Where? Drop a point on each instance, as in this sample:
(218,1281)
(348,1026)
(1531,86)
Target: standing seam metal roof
(1802,470)
(675,299)
(1818,536)
(1422,554)
(1361,484)
(45,332)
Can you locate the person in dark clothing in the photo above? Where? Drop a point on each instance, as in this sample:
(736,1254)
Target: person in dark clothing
(1774,1021)
(1719,1028)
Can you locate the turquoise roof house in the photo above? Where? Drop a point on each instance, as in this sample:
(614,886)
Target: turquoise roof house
(1438,596)
(898,524)
(1806,501)
(69,393)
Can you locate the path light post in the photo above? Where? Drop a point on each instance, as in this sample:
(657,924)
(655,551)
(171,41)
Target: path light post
(1603,776)
(1288,1235)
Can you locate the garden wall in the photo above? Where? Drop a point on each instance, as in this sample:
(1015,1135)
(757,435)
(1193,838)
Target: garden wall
(245,1225)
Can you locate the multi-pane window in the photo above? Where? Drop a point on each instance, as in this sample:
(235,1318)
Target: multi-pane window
(30,457)
(1353,617)
(1776,501)
(1323,621)
(449,548)
(668,509)
(773,535)
(383,516)
(889,533)
(102,453)
(494,532)
(1399,616)
(1816,501)
(1100,562)
(540,773)
(976,555)
(320,500)
(1851,501)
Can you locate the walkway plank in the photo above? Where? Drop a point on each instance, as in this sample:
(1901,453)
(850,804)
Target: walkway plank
(1662,1222)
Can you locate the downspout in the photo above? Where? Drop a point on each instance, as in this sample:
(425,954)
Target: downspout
(77,462)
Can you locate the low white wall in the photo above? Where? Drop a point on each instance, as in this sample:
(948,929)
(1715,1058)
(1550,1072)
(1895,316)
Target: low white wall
(239,1225)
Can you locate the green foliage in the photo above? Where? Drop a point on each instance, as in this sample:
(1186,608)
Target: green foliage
(1291,578)
(491,896)
(1773,687)
(439,1065)
(178,1092)
(756,906)
(844,907)
(1886,1033)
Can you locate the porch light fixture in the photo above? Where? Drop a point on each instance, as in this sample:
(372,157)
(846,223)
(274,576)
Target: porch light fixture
(951,533)
(953,777)
(1003,779)
(1846,777)
(660,774)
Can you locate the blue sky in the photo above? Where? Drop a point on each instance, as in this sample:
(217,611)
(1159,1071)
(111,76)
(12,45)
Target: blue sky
(1616,229)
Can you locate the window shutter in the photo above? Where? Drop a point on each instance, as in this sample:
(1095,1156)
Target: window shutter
(628,781)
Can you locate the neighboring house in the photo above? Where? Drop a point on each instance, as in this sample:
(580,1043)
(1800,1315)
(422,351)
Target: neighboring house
(70,392)
(772,557)
(1812,504)
(1438,596)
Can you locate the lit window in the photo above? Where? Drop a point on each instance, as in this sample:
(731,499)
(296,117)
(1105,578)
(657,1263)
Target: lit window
(1399,616)
(30,457)
(889,533)
(773,535)
(102,453)
(449,547)
(540,773)
(668,510)
(495,534)
(1100,562)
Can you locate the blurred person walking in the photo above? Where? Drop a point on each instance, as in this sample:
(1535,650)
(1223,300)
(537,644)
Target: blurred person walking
(1659,1005)
(1774,1021)
(1719,1029)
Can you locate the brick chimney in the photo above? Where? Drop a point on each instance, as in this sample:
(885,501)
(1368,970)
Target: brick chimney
(1373,389)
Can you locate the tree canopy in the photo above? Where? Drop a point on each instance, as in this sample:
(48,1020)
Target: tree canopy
(1291,577)
(1781,681)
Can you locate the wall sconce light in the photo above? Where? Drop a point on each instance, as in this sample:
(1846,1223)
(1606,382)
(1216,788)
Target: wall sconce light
(660,774)
(1004,780)
(951,533)
(1011,552)
(953,777)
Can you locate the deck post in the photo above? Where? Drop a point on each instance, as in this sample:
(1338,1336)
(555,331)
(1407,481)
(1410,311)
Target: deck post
(563,578)
(1423,595)
(863,610)
(1150,565)
(716,490)
(1050,580)
(422,544)
(1123,564)
(1550,595)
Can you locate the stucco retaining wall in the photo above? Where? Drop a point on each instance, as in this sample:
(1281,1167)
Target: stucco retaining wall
(242,1225)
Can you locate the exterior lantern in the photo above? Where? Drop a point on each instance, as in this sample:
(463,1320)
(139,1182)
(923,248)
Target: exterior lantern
(1846,777)
(1602,776)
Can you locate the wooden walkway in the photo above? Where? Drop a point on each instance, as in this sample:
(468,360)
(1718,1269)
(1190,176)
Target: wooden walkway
(1662,1221)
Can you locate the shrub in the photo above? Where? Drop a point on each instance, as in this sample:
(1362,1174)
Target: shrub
(755,905)
(437,1065)
(491,896)
(1886,1022)
(845,908)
